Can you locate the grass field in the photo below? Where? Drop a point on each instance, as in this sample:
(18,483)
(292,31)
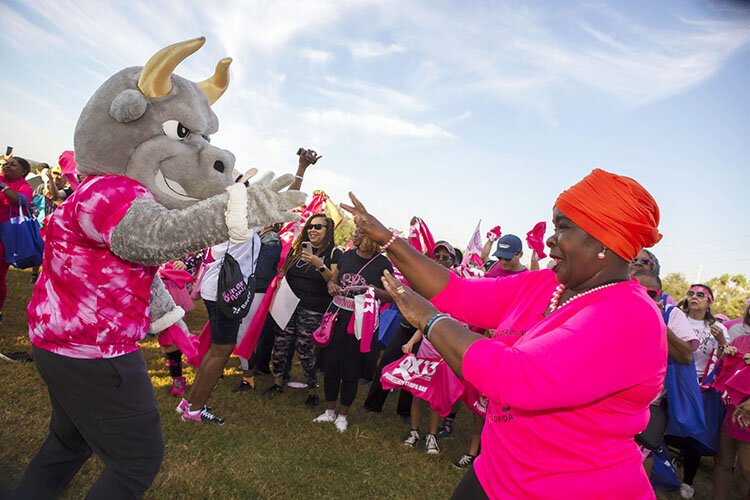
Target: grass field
(269,448)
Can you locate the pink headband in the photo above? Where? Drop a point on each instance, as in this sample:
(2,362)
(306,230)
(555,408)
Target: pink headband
(699,288)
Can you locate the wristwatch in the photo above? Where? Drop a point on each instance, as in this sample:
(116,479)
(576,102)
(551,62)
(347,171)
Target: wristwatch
(322,269)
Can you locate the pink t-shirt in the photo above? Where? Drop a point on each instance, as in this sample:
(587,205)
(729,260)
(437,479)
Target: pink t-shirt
(565,401)
(497,271)
(88,302)
(9,209)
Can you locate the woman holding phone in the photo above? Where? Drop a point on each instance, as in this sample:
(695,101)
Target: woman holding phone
(341,360)
(311,264)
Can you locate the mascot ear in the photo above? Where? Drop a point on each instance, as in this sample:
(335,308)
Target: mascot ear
(128,106)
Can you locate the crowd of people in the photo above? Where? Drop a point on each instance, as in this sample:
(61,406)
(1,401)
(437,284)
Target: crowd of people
(512,339)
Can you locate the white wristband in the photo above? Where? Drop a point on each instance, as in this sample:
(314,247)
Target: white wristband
(236,214)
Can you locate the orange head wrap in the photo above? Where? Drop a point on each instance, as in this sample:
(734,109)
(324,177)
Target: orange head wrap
(615,210)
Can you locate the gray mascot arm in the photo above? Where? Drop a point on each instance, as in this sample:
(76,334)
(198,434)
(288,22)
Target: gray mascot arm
(151,234)
(164,312)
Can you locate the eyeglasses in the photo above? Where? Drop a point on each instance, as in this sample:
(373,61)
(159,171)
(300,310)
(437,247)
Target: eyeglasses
(645,262)
(653,293)
(443,257)
(700,295)
(317,227)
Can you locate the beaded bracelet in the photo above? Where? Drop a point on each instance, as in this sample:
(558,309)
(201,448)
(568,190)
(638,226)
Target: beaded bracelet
(431,322)
(394,235)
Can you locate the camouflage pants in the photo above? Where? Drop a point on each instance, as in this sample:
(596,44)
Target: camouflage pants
(298,333)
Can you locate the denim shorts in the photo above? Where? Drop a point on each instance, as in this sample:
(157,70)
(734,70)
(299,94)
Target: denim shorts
(223,330)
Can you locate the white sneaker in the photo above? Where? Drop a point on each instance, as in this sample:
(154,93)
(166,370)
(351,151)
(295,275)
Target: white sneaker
(341,423)
(686,491)
(325,417)
(430,444)
(412,439)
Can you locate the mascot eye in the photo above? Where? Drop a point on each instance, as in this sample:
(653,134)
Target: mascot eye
(175,130)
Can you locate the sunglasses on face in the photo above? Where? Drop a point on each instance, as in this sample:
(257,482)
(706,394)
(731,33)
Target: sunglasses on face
(317,227)
(645,262)
(445,258)
(653,293)
(700,295)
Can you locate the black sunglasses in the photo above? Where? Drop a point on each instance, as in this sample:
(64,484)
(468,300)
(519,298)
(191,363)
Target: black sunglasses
(317,227)
(645,262)
(444,257)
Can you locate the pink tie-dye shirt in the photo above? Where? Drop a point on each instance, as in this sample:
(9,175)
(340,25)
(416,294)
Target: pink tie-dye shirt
(89,303)
(564,401)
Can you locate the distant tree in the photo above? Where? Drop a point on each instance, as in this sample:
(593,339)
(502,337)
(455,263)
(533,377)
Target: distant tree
(344,231)
(730,294)
(675,284)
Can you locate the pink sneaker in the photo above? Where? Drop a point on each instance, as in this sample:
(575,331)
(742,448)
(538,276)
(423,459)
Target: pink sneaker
(178,386)
(183,406)
(202,415)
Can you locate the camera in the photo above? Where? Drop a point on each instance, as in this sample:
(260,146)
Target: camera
(309,155)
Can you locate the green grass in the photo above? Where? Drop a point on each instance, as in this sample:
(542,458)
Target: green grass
(269,448)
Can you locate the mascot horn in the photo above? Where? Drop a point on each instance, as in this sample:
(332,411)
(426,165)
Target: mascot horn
(156,189)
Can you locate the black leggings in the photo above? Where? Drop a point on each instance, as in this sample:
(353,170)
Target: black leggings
(691,463)
(348,388)
(469,487)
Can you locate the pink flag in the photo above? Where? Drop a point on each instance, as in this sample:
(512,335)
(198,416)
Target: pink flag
(494,234)
(427,378)
(249,341)
(474,248)
(421,238)
(535,239)
(290,231)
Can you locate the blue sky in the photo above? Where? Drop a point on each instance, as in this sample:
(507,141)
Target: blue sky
(453,111)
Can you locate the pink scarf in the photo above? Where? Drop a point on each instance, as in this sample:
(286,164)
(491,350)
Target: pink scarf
(68,166)
(427,378)
(364,321)
(421,238)
(250,340)
(188,344)
(535,239)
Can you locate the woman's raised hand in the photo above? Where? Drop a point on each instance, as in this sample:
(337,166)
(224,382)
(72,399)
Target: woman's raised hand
(369,225)
(415,308)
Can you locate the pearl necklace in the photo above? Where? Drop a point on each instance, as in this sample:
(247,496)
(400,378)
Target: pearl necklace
(554,302)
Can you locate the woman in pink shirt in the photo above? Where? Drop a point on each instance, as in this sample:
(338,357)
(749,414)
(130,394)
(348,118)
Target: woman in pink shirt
(13,187)
(564,407)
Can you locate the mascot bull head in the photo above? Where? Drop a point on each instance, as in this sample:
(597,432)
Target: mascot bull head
(154,126)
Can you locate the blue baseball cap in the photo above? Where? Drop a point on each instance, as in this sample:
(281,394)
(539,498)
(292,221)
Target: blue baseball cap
(508,247)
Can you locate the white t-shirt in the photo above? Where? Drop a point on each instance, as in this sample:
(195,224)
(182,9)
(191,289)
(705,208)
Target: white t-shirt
(707,344)
(738,330)
(246,255)
(682,329)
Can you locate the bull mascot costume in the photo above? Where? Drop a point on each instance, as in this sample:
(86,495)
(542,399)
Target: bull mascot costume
(156,189)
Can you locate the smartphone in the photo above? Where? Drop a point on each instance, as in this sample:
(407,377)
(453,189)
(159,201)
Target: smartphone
(307,247)
(8,150)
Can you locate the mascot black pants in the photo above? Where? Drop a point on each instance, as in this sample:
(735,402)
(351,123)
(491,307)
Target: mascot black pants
(102,406)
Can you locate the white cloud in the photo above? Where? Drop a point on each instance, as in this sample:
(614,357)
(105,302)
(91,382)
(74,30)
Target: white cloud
(370,49)
(375,125)
(316,56)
